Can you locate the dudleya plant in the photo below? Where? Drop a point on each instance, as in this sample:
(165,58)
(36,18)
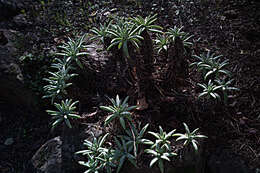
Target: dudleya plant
(146,24)
(135,137)
(215,73)
(123,152)
(160,155)
(102,32)
(72,50)
(124,33)
(162,43)
(58,81)
(226,87)
(175,32)
(203,59)
(162,139)
(99,158)
(209,90)
(161,149)
(210,64)
(91,164)
(119,109)
(65,112)
(190,138)
(216,68)
(94,147)
(107,160)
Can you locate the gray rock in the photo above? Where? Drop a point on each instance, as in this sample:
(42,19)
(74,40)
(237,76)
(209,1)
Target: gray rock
(48,158)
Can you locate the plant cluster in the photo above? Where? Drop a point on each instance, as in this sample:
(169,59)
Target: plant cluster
(216,76)
(98,157)
(132,36)
(162,41)
(124,32)
(131,31)
(58,82)
(127,146)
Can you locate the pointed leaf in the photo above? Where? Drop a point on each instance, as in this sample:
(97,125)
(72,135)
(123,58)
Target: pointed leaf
(153,161)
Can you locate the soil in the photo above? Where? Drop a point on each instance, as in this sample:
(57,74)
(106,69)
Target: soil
(231,28)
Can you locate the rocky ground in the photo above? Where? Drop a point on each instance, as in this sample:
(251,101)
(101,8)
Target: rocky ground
(231,28)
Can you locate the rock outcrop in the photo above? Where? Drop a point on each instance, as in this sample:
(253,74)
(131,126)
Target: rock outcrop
(48,158)
(12,88)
